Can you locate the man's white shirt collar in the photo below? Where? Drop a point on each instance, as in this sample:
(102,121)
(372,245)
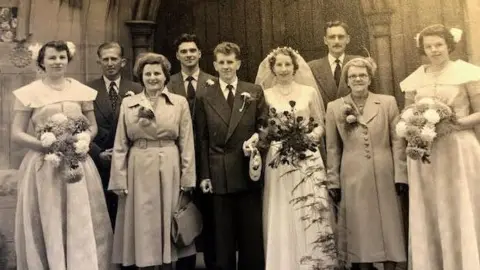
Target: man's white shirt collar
(331,59)
(107,83)
(194,75)
(223,86)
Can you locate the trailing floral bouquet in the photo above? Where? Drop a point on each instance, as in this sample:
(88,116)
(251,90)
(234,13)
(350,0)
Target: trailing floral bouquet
(293,136)
(67,142)
(421,123)
(292,132)
(349,116)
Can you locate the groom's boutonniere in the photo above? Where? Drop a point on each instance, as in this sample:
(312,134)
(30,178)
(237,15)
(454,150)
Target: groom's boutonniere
(246,100)
(129,94)
(210,82)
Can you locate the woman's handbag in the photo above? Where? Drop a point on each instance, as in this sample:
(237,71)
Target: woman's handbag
(187,222)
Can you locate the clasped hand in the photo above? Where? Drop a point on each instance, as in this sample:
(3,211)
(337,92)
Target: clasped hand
(250,144)
(106,155)
(206,186)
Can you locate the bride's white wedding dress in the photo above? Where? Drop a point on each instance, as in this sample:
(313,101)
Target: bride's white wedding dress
(289,233)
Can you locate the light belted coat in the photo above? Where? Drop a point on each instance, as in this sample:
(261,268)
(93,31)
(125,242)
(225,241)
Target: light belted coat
(152,162)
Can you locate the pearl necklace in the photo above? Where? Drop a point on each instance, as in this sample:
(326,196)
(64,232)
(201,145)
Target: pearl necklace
(288,92)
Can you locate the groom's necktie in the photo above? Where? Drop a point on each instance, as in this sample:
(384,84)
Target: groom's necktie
(230,96)
(337,72)
(112,94)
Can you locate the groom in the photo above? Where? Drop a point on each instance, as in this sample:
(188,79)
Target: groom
(223,126)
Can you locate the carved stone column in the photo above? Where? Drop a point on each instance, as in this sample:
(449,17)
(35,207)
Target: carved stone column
(378,15)
(380,42)
(141,32)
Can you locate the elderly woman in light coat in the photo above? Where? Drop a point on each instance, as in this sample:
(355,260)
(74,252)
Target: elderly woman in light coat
(153,159)
(365,160)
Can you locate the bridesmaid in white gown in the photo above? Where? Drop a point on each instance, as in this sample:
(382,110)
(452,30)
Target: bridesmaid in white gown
(289,237)
(445,194)
(58,225)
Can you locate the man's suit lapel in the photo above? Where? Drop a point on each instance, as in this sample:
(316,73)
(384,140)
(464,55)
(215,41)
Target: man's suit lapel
(343,88)
(201,84)
(331,86)
(217,101)
(236,114)
(103,100)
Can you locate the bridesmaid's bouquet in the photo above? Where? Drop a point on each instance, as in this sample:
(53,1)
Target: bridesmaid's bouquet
(423,122)
(292,133)
(67,142)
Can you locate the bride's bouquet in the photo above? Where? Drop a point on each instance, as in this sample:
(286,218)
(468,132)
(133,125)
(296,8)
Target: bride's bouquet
(67,142)
(423,122)
(292,133)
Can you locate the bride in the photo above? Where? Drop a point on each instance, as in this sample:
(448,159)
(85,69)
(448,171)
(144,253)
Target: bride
(296,236)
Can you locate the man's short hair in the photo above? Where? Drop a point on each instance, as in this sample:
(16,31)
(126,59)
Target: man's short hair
(227,48)
(331,24)
(109,45)
(186,38)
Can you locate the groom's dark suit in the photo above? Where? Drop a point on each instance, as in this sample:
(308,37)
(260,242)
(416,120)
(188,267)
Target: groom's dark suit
(237,199)
(107,125)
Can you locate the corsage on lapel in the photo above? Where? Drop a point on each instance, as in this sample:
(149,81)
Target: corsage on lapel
(210,82)
(145,112)
(349,116)
(247,98)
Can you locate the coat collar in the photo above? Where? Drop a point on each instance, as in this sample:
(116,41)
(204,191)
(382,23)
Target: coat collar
(141,97)
(371,107)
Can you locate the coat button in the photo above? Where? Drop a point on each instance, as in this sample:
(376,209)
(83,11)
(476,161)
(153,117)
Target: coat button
(366,144)
(367,156)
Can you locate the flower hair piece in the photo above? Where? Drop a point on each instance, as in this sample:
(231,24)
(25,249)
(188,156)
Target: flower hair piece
(71,48)
(456,33)
(279,49)
(35,49)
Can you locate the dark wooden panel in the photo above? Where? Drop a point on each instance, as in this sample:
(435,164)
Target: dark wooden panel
(241,13)
(211,33)
(199,28)
(292,24)
(278,22)
(305,28)
(225,15)
(318,24)
(267,26)
(253,40)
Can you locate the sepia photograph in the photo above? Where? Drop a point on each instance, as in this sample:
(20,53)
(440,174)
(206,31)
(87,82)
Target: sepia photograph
(239,135)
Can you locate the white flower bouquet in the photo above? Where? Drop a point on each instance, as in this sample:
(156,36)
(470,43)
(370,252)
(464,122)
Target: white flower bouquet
(67,142)
(423,122)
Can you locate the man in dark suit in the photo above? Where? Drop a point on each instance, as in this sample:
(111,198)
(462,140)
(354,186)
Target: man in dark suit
(223,127)
(191,82)
(111,89)
(327,70)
